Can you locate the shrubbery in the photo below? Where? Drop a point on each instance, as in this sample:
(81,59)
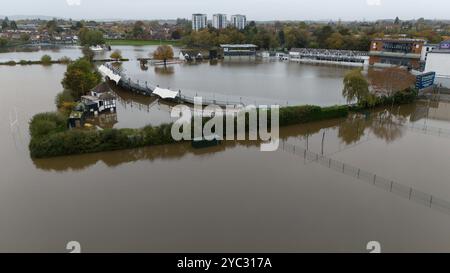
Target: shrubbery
(62,97)
(91,141)
(64,60)
(46,60)
(45,124)
(402,97)
(51,138)
(308,113)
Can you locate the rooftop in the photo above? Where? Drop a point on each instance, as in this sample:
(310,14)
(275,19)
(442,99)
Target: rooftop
(102,88)
(442,51)
(239,46)
(406,40)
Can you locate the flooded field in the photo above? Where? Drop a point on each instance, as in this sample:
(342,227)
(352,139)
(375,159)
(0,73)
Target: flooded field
(258,82)
(231,197)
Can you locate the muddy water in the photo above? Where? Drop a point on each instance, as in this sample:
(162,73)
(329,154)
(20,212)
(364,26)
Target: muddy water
(228,198)
(259,82)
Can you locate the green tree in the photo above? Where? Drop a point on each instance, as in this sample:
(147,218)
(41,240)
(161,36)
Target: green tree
(296,37)
(91,37)
(281,38)
(52,26)
(138,29)
(80,77)
(88,54)
(265,39)
(79,25)
(116,55)
(335,41)
(3,42)
(25,37)
(45,123)
(46,60)
(13,25)
(323,34)
(163,53)
(356,87)
(5,23)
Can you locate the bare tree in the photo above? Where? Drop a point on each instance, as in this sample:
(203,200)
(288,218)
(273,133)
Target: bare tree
(388,81)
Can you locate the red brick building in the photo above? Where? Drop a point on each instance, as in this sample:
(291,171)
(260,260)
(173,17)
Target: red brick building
(402,52)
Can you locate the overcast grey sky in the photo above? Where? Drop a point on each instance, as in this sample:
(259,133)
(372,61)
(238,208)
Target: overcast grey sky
(254,9)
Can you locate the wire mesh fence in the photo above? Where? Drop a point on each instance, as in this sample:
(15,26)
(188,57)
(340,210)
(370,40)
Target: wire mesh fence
(188,96)
(378,181)
(430,130)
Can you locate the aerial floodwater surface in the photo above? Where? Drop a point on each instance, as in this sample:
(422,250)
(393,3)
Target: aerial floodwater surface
(229,198)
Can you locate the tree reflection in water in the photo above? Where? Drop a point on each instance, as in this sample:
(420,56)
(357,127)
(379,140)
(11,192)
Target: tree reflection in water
(169,70)
(386,124)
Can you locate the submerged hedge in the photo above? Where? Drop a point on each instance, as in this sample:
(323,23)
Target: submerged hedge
(91,141)
(55,142)
(308,113)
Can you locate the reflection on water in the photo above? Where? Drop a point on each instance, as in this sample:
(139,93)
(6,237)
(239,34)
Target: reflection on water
(104,120)
(169,70)
(386,124)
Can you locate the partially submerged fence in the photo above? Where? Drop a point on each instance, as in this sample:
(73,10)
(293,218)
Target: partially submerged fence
(378,181)
(187,96)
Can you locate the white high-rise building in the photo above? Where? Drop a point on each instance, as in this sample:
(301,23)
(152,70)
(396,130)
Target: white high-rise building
(220,21)
(239,21)
(199,21)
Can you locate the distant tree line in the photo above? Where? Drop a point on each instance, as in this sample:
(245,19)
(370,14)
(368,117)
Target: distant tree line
(280,36)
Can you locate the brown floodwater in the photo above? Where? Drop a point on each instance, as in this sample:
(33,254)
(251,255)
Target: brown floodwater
(232,197)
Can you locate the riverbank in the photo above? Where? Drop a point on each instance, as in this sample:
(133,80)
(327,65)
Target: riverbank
(126,42)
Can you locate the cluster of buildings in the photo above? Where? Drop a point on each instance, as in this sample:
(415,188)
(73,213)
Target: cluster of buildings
(438,61)
(33,31)
(219,21)
(399,52)
(415,54)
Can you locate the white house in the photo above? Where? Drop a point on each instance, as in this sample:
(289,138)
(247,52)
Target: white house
(427,48)
(438,60)
(99,100)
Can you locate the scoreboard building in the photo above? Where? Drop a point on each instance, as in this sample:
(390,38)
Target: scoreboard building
(396,52)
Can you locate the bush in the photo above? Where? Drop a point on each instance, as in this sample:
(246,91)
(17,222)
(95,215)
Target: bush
(116,55)
(12,63)
(58,141)
(308,113)
(408,95)
(47,123)
(46,60)
(64,60)
(23,62)
(62,97)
